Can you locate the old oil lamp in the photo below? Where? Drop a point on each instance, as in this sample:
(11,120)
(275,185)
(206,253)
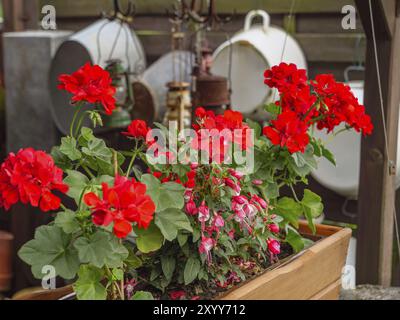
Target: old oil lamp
(124,97)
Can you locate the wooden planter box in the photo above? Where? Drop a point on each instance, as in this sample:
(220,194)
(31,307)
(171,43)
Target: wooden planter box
(313,274)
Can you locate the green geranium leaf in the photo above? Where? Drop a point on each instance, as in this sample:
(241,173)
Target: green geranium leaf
(255,126)
(94,250)
(142,295)
(313,207)
(170,221)
(88,286)
(327,154)
(294,239)
(68,147)
(77,182)
(133,260)
(101,249)
(51,246)
(119,253)
(168,266)
(165,195)
(290,210)
(273,108)
(67,221)
(149,240)
(191,271)
(60,159)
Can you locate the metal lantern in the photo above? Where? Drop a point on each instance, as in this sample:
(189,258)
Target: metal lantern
(124,98)
(179,106)
(178,96)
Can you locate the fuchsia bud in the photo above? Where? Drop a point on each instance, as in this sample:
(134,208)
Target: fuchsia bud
(238,175)
(273,228)
(240,199)
(274,246)
(234,186)
(191,208)
(263,204)
(257,182)
(194,166)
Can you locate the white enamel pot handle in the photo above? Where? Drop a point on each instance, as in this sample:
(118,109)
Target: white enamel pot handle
(257,13)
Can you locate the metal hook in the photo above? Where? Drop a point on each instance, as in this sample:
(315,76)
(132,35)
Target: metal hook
(130,11)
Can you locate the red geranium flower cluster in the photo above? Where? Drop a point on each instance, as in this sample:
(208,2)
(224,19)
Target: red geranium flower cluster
(230,129)
(323,102)
(124,203)
(342,106)
(138,129)
(288,130)
(91,84)
(30,176)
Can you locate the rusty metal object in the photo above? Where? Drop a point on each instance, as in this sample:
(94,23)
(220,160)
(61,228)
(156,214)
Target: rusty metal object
(211,91)
(145,104)
(6,249)
(179,106)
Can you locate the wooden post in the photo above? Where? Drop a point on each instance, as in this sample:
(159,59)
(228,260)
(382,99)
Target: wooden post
(20,15)
(378,169)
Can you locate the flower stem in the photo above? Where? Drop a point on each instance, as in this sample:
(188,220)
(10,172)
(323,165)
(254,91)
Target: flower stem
(88,171)
(71,129)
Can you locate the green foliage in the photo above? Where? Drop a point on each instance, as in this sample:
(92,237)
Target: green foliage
(69,148)
(171,221)
(192,269)
(149,240)
(67,221)
(313,207)
(51,246)
(165,195)
(99,250)
(142,295)
(88,286)
(77,182)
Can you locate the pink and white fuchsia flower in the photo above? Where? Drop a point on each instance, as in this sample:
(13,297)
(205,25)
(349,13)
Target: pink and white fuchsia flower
(204,212)
(206,245)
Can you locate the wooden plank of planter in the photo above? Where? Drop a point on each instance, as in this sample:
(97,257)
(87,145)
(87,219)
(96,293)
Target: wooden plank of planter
(87,8)
(314,271)
(331,292)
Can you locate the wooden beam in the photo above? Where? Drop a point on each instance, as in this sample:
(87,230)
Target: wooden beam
(377,172)
(88,8)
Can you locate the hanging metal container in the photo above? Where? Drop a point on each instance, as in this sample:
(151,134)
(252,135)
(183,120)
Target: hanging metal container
(246,55)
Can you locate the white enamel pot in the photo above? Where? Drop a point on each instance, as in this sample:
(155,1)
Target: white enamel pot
(246,56)
(346,146)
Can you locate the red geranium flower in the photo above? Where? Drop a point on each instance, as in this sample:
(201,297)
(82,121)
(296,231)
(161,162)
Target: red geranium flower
(286,77)
(91,84)
(137,129)
(341,106)
(126,202)
(288,130)
(29,177)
